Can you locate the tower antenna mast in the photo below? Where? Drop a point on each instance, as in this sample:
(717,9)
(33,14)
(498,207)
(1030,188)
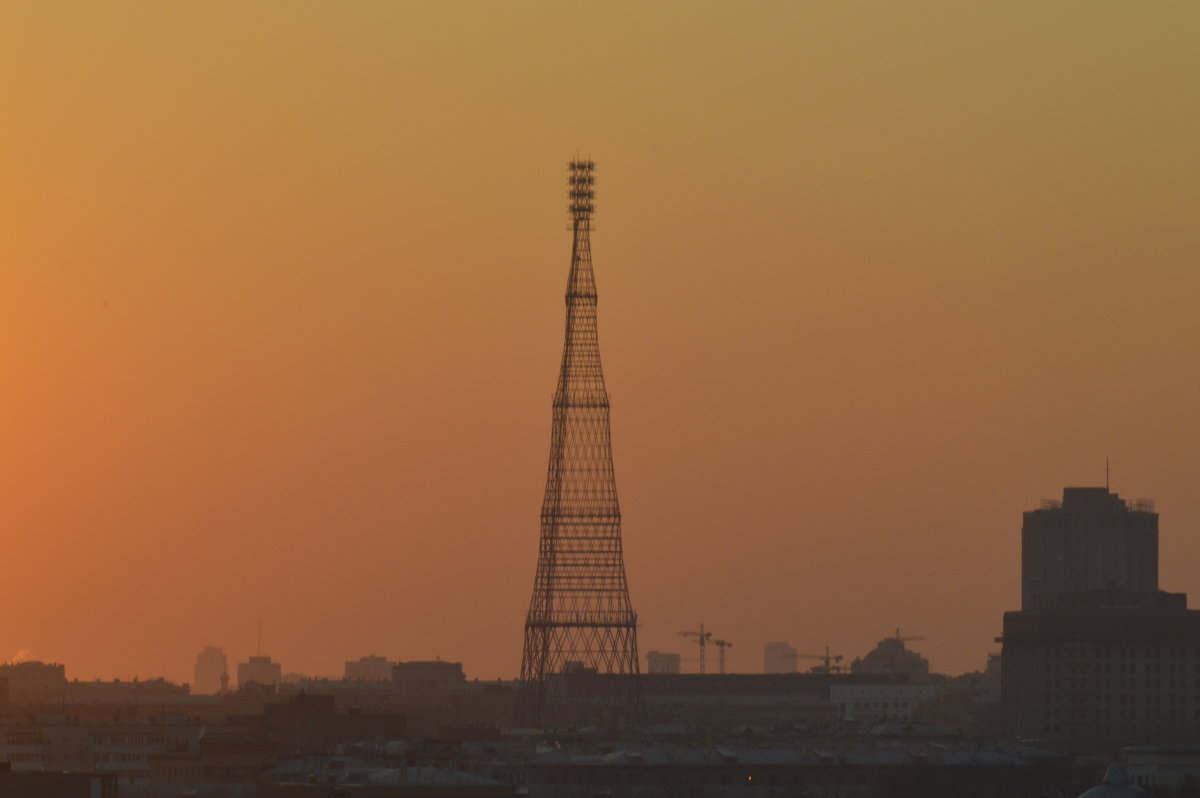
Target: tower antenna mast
(580,661)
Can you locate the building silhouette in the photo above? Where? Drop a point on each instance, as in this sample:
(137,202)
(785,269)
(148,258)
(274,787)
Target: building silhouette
(779,657)
(891,656)
(260,670)
(370,669)
(1091,540)
(428,676)
(1098,655)
(32,681)
(662,662)
(211,672)
(580,662)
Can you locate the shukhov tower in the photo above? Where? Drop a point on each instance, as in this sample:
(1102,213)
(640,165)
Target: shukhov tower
(580,665)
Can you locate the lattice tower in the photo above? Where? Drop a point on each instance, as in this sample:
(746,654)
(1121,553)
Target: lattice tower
(580,663)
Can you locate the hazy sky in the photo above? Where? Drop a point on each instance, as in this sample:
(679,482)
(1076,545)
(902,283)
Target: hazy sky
(281,312)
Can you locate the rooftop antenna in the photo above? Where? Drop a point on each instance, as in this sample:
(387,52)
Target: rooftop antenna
(1106,474)
(260,637)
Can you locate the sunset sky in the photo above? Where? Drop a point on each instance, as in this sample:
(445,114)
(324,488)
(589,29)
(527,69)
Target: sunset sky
(281,308)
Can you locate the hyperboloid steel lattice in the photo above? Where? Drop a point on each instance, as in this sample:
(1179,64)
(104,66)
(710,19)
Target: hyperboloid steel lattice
(580,664)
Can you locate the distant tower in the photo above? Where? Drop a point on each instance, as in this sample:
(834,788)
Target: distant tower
(210,665)
(580,664)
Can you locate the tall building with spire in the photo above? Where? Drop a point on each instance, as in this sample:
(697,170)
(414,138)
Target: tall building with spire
(580,660)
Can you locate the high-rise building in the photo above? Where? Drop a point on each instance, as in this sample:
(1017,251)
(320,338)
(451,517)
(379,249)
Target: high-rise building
(1098,654)
(580,660)
(260,670)
(779,657)
(211,673)
(1091,540)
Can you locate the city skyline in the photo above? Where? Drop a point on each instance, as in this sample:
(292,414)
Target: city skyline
(282,307)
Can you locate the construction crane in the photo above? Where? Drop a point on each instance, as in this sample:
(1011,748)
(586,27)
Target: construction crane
(721,646)
(701,637)
(827,658)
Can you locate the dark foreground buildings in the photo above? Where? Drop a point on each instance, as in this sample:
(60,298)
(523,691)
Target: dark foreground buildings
(1098,656)
(55,785)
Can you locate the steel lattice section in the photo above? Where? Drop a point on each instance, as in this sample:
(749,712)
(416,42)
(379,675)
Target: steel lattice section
(580,662)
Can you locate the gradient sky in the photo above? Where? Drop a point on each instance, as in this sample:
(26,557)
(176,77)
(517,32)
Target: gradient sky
(281,312)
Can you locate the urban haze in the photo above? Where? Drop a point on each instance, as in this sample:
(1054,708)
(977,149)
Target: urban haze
(608,399)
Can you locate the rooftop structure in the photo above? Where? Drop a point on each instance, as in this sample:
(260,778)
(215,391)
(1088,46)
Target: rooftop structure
(260,670)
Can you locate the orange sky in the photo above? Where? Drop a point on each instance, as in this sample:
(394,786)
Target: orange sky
(281,312)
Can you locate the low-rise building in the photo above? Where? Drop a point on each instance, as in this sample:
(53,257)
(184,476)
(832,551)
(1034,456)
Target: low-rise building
(122,750)
(429,675)
(662,662)
(370,669)
(32,682)
(1163,767)
(880,701)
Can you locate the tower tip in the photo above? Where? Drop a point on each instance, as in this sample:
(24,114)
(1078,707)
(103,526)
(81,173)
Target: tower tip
(581,192)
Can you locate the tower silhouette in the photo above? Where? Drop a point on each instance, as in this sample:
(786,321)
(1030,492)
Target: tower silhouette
(580,663)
